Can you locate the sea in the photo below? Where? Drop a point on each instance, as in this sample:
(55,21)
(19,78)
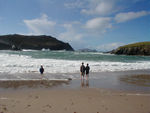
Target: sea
(66,63)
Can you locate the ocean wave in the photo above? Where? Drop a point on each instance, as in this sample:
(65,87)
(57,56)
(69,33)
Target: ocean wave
(25,64)
(29,50)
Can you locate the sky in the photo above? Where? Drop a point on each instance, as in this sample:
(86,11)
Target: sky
(96,24)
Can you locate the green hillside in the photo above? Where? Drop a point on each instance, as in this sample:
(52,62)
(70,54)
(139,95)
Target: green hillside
(139,44)
(140,48)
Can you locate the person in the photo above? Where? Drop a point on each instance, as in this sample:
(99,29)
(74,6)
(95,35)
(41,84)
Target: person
(41,69)
(82,70)
(87,68)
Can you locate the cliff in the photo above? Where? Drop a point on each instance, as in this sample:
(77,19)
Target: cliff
(18,42)
(141,48)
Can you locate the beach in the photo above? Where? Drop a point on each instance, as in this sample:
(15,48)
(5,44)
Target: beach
(116,84)
(86,100)
(74,56)
(76,96)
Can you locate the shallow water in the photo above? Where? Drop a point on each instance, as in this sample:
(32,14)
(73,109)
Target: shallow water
(137,81)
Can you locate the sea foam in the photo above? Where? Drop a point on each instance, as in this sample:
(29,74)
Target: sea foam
(12,63)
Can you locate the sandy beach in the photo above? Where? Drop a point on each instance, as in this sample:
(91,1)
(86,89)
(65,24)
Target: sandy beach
(118,93)
(84,100)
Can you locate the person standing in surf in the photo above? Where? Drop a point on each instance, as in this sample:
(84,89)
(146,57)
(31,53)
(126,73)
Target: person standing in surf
(41,69)
(82,70)
(87,69)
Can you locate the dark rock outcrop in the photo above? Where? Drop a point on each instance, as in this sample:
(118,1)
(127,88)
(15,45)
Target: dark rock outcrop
(18,42)
(141,48)
(87,50)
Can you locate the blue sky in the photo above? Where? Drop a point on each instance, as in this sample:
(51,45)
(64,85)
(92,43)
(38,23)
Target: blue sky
(97,24)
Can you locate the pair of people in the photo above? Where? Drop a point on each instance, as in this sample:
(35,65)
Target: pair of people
(84,70)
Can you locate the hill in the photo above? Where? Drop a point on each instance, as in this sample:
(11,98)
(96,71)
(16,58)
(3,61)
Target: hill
(140,48)
(19,42)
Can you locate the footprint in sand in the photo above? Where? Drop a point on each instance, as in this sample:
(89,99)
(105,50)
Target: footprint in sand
(49,106)
(44,111)
(36,97)
(72,103)
(103,106)
(28,106)
(106,109)
(141,105)
(4,108)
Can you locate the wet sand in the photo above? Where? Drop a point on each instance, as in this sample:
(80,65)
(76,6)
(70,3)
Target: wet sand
(138,80)
(24,84)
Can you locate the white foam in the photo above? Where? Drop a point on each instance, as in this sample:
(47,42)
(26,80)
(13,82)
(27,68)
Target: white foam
(25,64)
(29,50)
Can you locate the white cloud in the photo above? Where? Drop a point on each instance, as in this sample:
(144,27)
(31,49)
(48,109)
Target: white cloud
(40,25)
(100,7)
(109,47)
(73,38)
(123,17)
(99,25)
(71,33)
(75,33)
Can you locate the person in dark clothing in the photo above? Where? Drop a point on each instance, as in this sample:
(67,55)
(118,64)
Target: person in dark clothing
(87,69)
(82,70)
(41,69)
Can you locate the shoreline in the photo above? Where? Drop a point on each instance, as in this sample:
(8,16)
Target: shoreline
(138,81)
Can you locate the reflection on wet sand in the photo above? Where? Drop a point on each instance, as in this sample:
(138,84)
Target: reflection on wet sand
(140,80)
(84,83)
(31,83)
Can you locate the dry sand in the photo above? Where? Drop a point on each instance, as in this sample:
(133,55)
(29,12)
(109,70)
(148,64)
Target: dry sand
(84,100)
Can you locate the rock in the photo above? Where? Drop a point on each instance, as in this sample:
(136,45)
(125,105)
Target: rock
(87,50)
(141,48)
(19,42)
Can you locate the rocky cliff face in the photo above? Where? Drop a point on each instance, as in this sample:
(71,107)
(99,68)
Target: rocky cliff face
(18,42)
(142,48)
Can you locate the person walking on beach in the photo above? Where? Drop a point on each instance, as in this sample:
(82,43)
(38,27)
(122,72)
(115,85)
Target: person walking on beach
(87,68)
(41,69)
(82,70)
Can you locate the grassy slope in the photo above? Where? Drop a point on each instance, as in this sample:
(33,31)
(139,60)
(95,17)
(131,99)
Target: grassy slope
(139,44)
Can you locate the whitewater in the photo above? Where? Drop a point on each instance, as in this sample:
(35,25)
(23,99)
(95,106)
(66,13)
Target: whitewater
(29,61)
